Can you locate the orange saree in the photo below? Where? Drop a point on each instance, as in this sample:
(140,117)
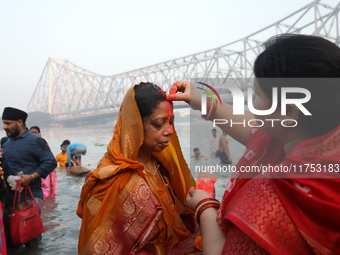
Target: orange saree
(125,208)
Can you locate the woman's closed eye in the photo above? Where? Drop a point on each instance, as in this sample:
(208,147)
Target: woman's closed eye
(158,125)
(160,122)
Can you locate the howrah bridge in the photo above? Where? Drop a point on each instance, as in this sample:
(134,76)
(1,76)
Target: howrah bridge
(72,94)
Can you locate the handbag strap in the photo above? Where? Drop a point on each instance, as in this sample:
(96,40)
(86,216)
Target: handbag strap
(16,194)
(28,188)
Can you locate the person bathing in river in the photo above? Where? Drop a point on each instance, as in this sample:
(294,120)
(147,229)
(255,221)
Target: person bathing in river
(74,166)
(74,152)
(61,157)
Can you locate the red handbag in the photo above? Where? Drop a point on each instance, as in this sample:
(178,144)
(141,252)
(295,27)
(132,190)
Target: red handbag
(25,223)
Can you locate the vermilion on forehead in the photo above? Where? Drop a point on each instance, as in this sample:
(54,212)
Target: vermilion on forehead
(170,112)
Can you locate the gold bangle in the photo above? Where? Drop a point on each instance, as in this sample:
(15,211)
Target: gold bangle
(210,109)
(205,203)
(212,105)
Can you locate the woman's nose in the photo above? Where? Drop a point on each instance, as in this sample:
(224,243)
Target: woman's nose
(169,130)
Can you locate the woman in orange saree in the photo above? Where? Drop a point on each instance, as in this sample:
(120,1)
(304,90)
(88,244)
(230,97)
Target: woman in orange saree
(134,202)
(284,197)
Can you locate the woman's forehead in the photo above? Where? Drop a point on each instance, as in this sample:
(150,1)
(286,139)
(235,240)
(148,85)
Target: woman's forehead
(164,110)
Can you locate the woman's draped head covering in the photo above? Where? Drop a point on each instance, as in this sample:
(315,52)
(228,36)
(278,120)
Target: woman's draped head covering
(102,197)
(123,149)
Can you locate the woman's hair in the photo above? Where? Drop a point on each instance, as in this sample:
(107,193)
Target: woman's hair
(298,56)
(148,96)
(304,56)
(35,127)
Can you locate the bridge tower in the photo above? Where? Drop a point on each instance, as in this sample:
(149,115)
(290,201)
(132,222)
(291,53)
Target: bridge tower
(68,91)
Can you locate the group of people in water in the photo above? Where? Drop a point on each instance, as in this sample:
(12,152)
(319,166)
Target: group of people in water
(25,155)
(142,199)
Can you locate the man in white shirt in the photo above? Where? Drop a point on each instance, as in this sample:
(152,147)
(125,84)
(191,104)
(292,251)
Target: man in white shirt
(213,143)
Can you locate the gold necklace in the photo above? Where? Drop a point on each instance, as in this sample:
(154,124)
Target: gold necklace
(159,172)
(150,171)
(166,187)
(154,173)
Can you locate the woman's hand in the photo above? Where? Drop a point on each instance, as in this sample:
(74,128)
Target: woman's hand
(212,236)
(196,195)
(190,94)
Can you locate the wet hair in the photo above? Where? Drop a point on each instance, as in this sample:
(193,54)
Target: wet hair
(65,142)
(304,56)
(148,96)
(36,127)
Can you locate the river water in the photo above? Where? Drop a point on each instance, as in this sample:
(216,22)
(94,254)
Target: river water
(60,220)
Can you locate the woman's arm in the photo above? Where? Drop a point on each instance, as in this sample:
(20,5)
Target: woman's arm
(212,237)
(191,95)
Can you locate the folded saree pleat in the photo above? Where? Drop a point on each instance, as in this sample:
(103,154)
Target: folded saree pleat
(124,209)
(258,212)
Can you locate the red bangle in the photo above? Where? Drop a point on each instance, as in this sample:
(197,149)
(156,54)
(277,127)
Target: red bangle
(204,204)
(205,200)
(203,208)
(211,109)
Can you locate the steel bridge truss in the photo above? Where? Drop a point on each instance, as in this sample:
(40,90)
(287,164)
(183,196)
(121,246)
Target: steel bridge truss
(66,90)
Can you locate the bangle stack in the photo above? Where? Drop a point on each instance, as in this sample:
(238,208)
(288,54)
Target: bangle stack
(212,106)
(205,204)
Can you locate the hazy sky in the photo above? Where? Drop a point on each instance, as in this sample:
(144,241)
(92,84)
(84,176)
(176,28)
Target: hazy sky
(110,36)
